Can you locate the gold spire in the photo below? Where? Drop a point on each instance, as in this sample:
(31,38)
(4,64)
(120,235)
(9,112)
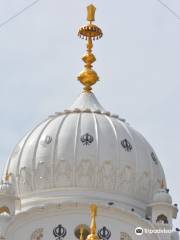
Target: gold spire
(7,177)
(90,32)
(92,235)
(81,232)
(162,184)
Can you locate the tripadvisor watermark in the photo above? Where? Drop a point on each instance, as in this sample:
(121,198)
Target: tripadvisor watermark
(140,231)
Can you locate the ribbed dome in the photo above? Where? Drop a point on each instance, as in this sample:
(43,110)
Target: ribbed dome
(82,149)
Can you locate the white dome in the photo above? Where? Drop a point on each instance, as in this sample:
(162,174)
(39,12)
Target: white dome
(86,150)
(162,196)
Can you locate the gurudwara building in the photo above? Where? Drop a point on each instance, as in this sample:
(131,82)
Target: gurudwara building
(85,173)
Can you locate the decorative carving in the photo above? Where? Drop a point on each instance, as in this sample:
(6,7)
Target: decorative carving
(25,180)
(162,219)
(87,139)
(156,185)
(104,233)
(125,178)
(106,176)
(48,139)
(85,174)
(144,184)
(37,234)
(126,145)
(154,158)
(63,173)
(42,176)
(124,236)
(59,232)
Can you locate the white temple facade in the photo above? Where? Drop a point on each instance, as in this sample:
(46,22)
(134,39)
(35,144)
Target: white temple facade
(81,156)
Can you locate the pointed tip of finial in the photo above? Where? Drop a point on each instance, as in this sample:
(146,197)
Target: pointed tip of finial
(93,209)
(91,9)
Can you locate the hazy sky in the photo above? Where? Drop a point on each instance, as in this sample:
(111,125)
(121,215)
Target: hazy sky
(138,61)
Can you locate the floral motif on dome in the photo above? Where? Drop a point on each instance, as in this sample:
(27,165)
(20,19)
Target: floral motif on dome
(85,173)
(42,175)
(106,179)
(63,173)
(25,180)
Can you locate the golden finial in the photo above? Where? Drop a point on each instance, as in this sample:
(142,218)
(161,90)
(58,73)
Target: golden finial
(162,184)
(81,232)
(88,76)
(4,209)
(7,177)
(93,235)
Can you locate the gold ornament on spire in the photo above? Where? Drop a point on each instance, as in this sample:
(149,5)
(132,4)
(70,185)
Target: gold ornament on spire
(7,177)
(91,13)
(162,184)
(93,235)
(81,233)
(90,32)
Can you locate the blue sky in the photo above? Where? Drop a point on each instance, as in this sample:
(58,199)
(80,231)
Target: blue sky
(137,61)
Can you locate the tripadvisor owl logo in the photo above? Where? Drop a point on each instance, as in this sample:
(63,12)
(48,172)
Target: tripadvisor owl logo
(139,231)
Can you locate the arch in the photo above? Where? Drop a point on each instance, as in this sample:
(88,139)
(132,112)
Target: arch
(4,209)
(162,219)
(125,236)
